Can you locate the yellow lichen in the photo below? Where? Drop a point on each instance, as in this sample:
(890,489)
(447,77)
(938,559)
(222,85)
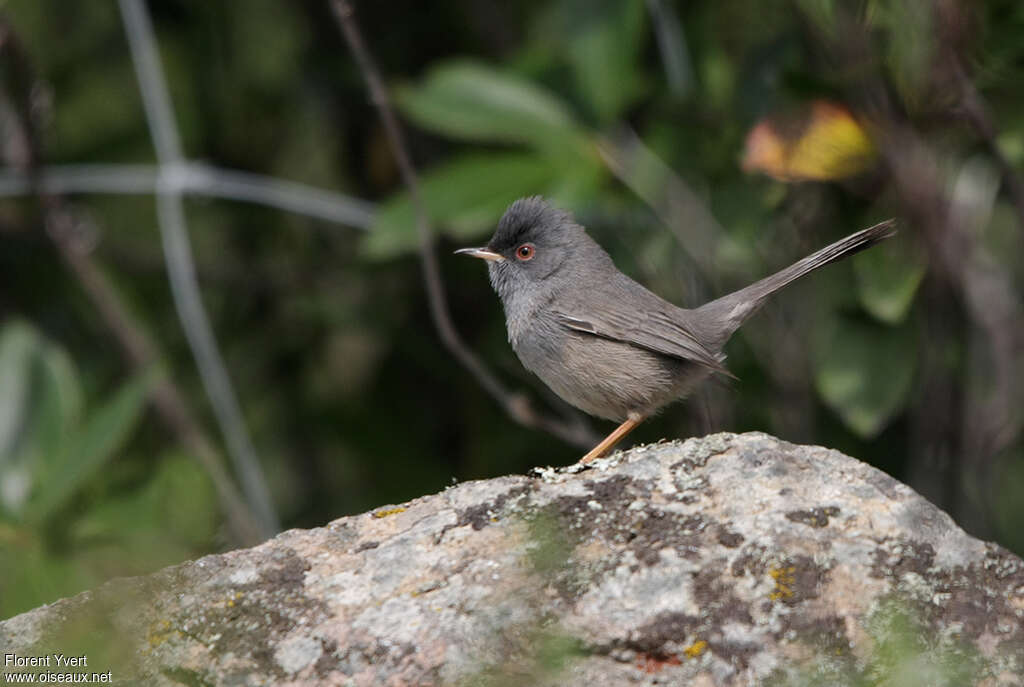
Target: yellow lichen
(784,578)
(695,649)
(160,633)
(388,511)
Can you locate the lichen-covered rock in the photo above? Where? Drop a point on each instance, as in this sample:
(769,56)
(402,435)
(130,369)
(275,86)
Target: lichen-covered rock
(726,560)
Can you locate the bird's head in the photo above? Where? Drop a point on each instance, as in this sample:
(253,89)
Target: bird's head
(535,247)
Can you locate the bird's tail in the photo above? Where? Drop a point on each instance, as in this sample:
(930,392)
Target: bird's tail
(729,312)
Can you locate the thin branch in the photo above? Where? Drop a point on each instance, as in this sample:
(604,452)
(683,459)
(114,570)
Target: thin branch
(195,178)
(136,346)
(156,99)
(675,203)
(301,199)
(675,54)
(142,354)
(181,267)
(63,179)
(514,403)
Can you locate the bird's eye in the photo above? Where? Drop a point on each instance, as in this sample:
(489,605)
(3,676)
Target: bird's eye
(525,252)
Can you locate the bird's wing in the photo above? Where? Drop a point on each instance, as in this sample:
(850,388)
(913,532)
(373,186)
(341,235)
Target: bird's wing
(653,330)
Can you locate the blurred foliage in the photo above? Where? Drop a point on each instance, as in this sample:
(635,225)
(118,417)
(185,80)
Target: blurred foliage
(903,652)
(66,523)
(824,144)
(350,398)
(863,370)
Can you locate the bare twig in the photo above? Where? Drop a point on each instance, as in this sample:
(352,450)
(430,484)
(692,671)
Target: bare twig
(62,179)
(198,179)
(142,354)
(514,403)
(301,199)
(675,54)
(136,346)
(181,267)
(674,202)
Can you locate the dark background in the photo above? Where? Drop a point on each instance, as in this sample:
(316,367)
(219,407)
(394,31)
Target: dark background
(908,356)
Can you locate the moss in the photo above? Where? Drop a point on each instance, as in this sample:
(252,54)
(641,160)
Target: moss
(182,676)
(254,616)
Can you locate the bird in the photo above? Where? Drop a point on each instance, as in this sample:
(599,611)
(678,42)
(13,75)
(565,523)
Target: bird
(600,340)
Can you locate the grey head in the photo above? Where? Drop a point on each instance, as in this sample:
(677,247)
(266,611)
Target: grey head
(536,250)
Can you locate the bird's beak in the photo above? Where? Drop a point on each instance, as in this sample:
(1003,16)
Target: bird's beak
(488,255)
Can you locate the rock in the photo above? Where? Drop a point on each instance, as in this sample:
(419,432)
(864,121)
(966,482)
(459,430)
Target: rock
(725,560)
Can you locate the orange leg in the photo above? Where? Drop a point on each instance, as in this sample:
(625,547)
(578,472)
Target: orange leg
(609,441)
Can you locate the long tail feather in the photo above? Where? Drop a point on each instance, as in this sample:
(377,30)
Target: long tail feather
(730,311)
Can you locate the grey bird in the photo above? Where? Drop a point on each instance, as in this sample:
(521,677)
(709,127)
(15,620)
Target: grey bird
(600,340)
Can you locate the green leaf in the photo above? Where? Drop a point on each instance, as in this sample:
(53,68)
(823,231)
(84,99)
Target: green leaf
(887,279)
(464,198)
(18,343)
(154,511)
(40,400)
(60,405)
(470,100)
(182,480)
(87,449)
(863,371)
(604,40)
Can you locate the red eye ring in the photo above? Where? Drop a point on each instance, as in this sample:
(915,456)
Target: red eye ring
(525,252)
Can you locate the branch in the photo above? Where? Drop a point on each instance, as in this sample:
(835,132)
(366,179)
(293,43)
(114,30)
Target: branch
(181,267)
(195,178)
(515,404)
(675,54)
(294,197)
(141,354)
(136,346)
(674,202)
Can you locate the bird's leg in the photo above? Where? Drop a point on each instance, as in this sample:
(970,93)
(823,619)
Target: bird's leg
(608,443)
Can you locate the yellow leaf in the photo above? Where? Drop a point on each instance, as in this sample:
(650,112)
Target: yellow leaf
(824,144)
